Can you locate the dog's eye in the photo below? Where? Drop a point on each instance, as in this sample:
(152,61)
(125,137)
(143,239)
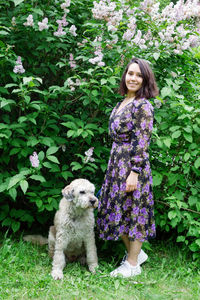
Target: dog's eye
(82,192)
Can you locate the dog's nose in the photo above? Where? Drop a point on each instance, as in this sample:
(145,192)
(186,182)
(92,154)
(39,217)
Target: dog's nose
(92,202)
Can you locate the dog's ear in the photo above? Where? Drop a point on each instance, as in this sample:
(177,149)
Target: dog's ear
(68,193)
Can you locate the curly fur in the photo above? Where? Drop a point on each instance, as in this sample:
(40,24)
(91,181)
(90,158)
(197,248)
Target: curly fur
(72,235)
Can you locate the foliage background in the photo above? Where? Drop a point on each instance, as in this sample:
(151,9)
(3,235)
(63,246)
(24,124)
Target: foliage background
(59,107)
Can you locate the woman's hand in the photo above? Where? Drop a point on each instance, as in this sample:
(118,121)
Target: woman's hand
(131,182)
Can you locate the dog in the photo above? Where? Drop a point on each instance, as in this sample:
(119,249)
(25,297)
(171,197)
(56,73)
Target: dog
(72,235)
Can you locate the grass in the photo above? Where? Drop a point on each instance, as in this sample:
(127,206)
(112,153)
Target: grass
(25,274)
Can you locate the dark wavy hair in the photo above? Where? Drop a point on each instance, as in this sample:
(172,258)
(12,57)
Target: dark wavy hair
(149,87)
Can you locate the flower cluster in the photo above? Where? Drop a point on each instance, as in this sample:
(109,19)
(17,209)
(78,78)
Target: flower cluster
(88,155)
(65,4)
(98,54)
(72,30)
(43,25)
(18,67)
(29,21)
(34,160)
(73,84)
(72,62)
(171,33)
(105,10)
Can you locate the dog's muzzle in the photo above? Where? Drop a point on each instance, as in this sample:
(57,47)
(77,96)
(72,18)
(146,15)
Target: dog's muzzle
(93,202)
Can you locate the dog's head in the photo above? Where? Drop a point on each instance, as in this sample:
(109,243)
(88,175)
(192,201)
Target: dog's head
(81,193)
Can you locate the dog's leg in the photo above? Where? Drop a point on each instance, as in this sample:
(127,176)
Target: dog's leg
(51,240)
(91,252)
(58,260)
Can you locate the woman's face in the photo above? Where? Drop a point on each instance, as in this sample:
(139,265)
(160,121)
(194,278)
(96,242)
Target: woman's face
(133,79)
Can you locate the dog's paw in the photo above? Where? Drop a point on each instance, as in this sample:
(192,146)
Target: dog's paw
(57,274)
(93,268)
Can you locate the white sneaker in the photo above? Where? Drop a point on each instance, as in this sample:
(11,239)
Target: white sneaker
(142,257)
(126,270)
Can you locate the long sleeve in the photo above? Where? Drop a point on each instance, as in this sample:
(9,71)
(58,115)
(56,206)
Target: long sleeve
(141,135)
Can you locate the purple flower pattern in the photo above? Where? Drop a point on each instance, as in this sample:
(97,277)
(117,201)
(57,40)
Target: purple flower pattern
(120,212)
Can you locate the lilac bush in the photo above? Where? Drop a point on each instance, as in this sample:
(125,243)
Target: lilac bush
(61,64)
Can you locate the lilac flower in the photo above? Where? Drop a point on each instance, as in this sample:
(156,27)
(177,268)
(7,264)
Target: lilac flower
(29,21)
(63,21)
(128,202)
(72,62)
(137,133)
(60,31)
(73,29)
(89,154)
(65,4)
(43,25)
(34,160)
(18,67)
(113,173)
(13,22)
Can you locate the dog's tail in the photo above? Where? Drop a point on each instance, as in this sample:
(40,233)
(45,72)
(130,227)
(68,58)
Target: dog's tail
(36,239)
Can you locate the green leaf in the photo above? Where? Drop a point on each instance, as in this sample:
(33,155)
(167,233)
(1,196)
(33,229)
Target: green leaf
(41,155)
(15,226)
(167,142)
(188,137)
(103,81)
(17,2)
(52,150)
(194,247)
(53,159)
(180,238)
(38,178)
(176,134)
(14,180)
(24,186)
(197,163)
(156,55)
(172,214)
(192,200)
(186,156)
(157,179)
(13,193)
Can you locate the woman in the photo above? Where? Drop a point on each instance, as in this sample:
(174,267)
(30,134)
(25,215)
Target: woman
(126,201)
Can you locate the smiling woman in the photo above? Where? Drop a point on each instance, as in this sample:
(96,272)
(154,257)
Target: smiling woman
(126,200)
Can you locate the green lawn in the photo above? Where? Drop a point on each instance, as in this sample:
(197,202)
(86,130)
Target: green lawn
(25,274)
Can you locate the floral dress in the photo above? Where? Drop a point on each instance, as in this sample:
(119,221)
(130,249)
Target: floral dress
(119,212)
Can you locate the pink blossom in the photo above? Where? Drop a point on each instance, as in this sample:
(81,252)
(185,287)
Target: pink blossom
(60,31)
(29,21)
(43,25)
(72,62)
(65,4)
(34,160)
(63,21)
(73,29)
(18,67)
(89,154)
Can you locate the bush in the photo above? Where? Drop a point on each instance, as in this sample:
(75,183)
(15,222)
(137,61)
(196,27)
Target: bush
(60,64)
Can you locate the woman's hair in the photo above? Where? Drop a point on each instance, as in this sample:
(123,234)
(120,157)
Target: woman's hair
(149,87)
